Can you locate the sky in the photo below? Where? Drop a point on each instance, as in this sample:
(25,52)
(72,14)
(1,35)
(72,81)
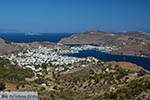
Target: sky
(61,16)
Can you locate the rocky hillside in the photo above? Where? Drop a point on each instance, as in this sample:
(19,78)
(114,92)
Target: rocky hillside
(101,81)
(128,43)
(7,47)
(96,80)
(91,37)
(105,38)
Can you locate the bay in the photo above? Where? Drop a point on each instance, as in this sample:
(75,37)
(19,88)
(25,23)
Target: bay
(141,61)
(55,37)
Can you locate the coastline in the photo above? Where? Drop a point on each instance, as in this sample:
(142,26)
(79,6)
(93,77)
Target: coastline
(104,56)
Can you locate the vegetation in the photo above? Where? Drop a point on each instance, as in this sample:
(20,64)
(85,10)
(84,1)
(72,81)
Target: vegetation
(121,73)
(39,81)
(142,72)
(2,85)
(13,74)
(94,82)
(134,88)
(4,62)
(108,83)
(66,95)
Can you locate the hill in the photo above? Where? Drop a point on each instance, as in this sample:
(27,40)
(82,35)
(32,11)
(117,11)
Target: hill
(91,37)
(128,43)
(101,81)
(7,47)
(88,79)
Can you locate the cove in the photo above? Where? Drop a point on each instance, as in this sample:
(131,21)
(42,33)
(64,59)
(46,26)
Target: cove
(141,61)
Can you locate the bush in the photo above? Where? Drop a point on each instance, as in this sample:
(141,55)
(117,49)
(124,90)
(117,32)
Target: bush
(121,73)
(116,65)
(39,81)
(2,86)
(142,72)
(110,95)
(17,87)
(76,79)
(42,88)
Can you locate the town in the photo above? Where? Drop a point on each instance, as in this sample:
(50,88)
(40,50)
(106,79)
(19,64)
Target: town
(43,56)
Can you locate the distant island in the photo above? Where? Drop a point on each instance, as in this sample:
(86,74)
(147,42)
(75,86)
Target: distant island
(32,33)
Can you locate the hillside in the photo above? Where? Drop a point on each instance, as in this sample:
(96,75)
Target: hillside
(7,47)
(128,43)
(91,37)
(108,81)
(88,79)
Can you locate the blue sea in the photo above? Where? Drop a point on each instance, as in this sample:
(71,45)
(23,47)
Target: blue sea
(141,61)
(55,37)
(23,38)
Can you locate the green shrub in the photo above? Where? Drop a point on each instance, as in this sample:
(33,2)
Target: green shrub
(142,72)
(39,81)
(12,73)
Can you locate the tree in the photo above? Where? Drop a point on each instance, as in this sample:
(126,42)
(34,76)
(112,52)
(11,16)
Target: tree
(2,86)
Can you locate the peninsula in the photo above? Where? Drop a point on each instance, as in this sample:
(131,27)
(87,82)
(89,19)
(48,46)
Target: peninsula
(127,43)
